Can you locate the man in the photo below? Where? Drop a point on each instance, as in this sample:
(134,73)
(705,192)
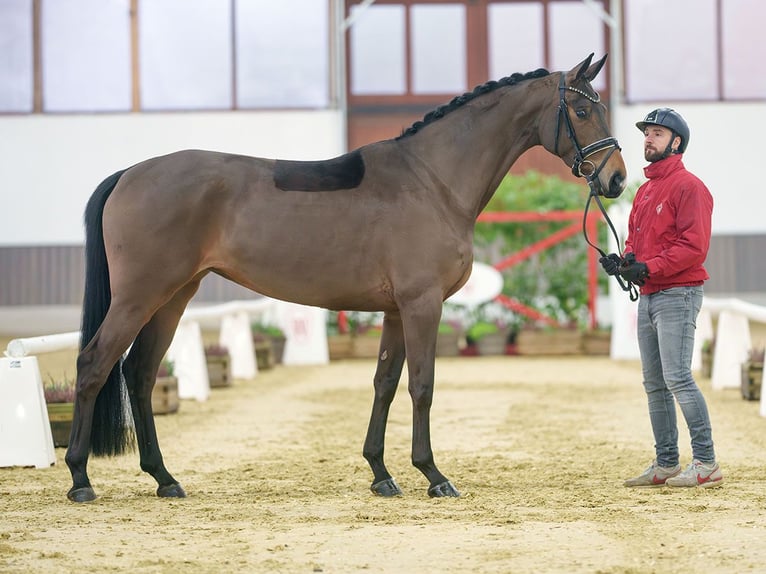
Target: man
(668,240)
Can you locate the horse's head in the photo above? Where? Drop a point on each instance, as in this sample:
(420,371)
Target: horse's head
(578,132)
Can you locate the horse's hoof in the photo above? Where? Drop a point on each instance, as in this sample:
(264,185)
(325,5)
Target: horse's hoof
(174,490)
(446,488)
(84,494)
(387,487)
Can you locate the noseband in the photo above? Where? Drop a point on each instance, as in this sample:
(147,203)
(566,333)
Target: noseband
(583,167)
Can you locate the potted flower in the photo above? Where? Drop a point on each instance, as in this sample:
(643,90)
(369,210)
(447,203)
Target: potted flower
(218,366)
(447,339)
(269,341)
(165,393)
(491,328)
(752,375)
(59,400)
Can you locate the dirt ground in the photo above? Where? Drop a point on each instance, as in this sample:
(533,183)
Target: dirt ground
(538,447)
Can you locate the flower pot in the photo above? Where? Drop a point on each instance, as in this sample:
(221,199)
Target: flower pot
(366,346)
(752,379)
(340,347)
(60,416)
(165,396)
(278,348)
(264,354)
(218,370)
(549,342)
(447,344)
(492,343)
(596,342)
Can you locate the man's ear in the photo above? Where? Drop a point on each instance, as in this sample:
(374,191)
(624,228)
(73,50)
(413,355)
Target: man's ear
(676,143)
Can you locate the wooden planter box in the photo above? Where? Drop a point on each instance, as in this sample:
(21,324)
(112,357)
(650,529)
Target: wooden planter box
(596,342)
(365,346)
(264,354)
(60,416)
(447,344)
(553,342)
(219,370)
(752,379)
(492,344)
(278,348)
(165,396)
(340,347)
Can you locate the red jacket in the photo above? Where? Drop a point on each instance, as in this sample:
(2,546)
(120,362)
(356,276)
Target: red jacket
(669,226)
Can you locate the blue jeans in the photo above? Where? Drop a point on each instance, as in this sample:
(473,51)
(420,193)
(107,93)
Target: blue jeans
(666,325)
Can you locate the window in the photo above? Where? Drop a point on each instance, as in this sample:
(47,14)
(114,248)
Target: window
(438,48)
(282,53)
(694,50)
(419,51)
(378,51)
(185,54)
(16,59)
(516,34)
(102,56)
(86,55)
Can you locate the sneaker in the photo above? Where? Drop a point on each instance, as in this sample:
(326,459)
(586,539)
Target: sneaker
(653,476)
(700,474)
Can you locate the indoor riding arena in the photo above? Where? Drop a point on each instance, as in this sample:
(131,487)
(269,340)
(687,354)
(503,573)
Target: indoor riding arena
(537,446)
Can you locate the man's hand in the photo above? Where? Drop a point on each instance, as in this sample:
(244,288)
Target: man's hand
(611,263)
(634,271)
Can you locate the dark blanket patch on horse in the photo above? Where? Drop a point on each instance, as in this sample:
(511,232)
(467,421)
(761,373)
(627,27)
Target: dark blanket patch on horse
(344,172)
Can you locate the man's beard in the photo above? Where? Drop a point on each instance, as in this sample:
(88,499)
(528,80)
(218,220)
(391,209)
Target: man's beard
(651,155)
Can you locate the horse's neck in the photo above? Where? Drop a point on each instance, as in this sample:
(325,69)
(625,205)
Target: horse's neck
(469,151)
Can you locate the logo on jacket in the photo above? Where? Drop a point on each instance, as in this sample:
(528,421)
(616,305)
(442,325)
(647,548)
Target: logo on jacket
(659,208)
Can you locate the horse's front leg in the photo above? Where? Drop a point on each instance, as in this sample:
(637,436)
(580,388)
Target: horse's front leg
(390,362)
(421,324)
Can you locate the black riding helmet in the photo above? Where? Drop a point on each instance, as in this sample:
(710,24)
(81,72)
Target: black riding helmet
(670,119)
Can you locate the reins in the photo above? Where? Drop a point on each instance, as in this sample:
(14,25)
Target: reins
(591,173)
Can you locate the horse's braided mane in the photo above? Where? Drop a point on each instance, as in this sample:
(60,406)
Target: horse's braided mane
(458,101)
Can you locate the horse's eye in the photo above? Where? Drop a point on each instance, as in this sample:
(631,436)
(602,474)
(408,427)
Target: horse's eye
(582,114)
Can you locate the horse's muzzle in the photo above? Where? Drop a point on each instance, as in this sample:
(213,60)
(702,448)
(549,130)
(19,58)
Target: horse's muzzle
(616,186)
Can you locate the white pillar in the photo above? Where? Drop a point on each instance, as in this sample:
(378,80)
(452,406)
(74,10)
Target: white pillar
(732,343)
(25,432)
(187,351)
(237,337)
(305,329)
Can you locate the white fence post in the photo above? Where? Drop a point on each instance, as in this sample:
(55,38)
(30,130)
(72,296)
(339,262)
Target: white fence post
(732,343)
(25,432)
(187,351)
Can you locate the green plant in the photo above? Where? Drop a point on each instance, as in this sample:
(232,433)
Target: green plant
(553,281)
(266,330)
(167,368)
(59,391)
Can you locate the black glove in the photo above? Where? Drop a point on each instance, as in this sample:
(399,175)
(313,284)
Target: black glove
(634,271)
(611,263)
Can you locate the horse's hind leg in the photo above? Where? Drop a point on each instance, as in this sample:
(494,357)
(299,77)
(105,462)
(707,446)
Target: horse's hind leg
(390,362)
(94,363)
(140,370)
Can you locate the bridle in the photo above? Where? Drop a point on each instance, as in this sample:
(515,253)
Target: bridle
(583,167)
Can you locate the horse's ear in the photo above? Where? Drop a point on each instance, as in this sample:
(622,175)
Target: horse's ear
(588,71)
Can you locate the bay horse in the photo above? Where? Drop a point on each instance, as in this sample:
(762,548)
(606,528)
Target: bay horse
(387,227)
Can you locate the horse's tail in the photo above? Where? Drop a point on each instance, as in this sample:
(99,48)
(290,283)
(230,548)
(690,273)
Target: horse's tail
(112,431)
